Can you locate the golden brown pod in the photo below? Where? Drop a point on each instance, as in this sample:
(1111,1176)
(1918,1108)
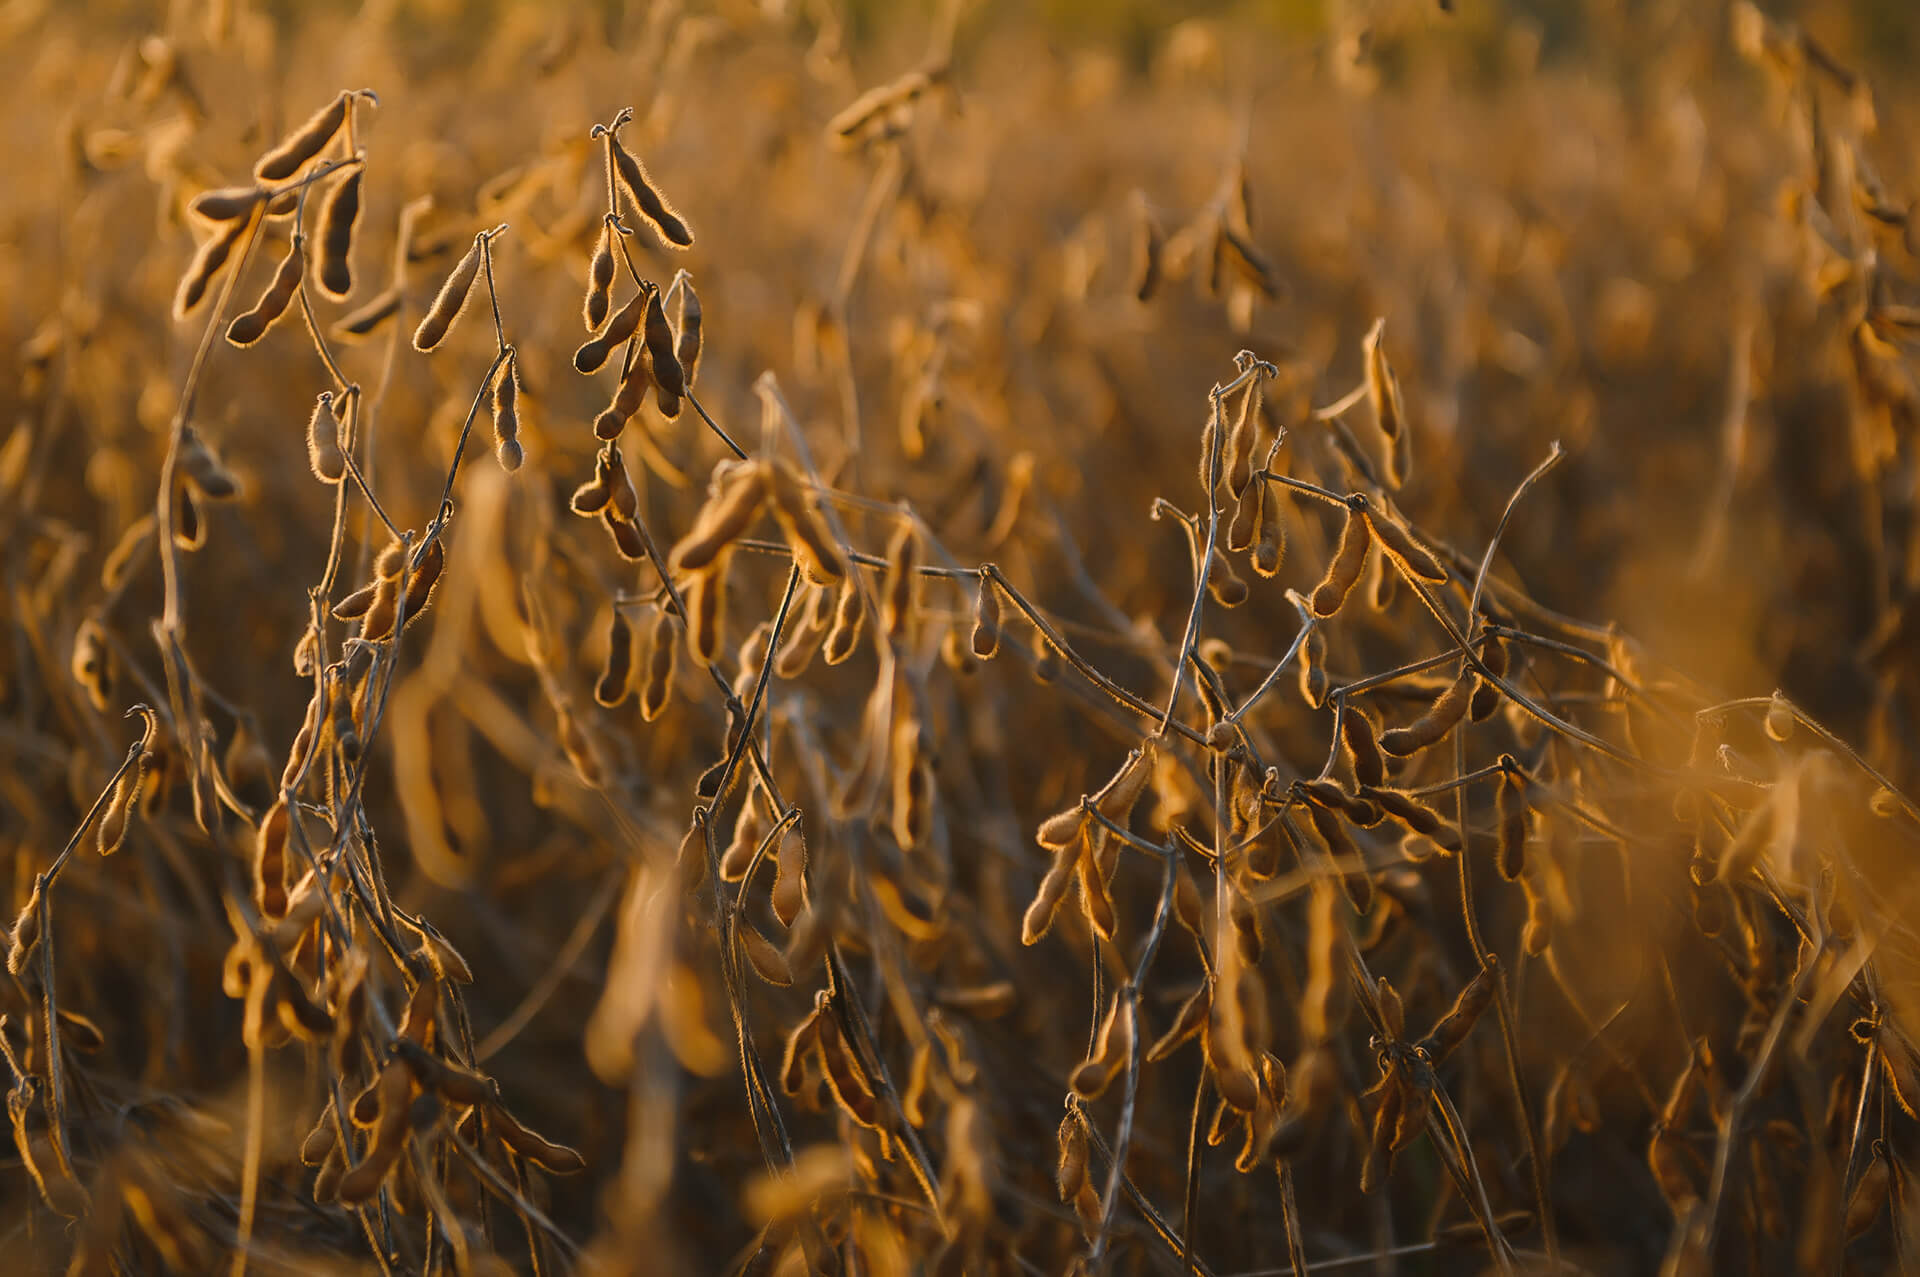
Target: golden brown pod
(668,226)
(669,379)
(1349,560)
(722,521)
(687,334)
(1431,727)
(248,328)
(900,585)
(616,676)
(805,528)
(1401,546)
(506,414)
(663,646)
(227,203)
(1453,1027)
(305,142)
(599,298)
(1362,747)
(206,265)
(1383,388)
(450,302)
(592,354)
(334,272)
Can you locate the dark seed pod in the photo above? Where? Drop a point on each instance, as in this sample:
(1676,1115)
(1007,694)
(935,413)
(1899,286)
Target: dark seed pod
(355,605)
(1431,727)
(1386,1119)
(206,265)
(1226,586)
(1513,819)
(337,216)
(593,311)
(668,377)
(626,501)
(1237,461)
(1486,697)
(900,585)
(1459,1020)
(1415,815)
(590,497)
(1313,668)
(1245,526)
(616,677)
(1363,749)
(449,302)
(706,596)
(422,581)
(1270,536)
(228,203)
(305,142)
(592,355)
(667,224)
(251,327)
(1383,388)
(1406,551)
(663,647)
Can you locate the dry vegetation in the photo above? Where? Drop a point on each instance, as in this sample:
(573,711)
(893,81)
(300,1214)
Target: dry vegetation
(934,652)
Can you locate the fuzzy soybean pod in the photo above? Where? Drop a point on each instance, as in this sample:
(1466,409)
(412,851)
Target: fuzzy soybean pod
(592,355)
(1404,550)
(227,203)
(599,298)
(506,414)
(305,142)
(663,646)
(1363,749)
(616,677)
(337,217)
(806,529)
(1452,1028)
(668,375)
(449,302)
(900,585)
(687,335)
(1431,727)
(668,225)
(1513,819)
(252,326)
(723,520)
(206,265)
(1349,560)
(323,441)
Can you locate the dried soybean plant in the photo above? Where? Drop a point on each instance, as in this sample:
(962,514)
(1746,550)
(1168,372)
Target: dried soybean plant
(715,841)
